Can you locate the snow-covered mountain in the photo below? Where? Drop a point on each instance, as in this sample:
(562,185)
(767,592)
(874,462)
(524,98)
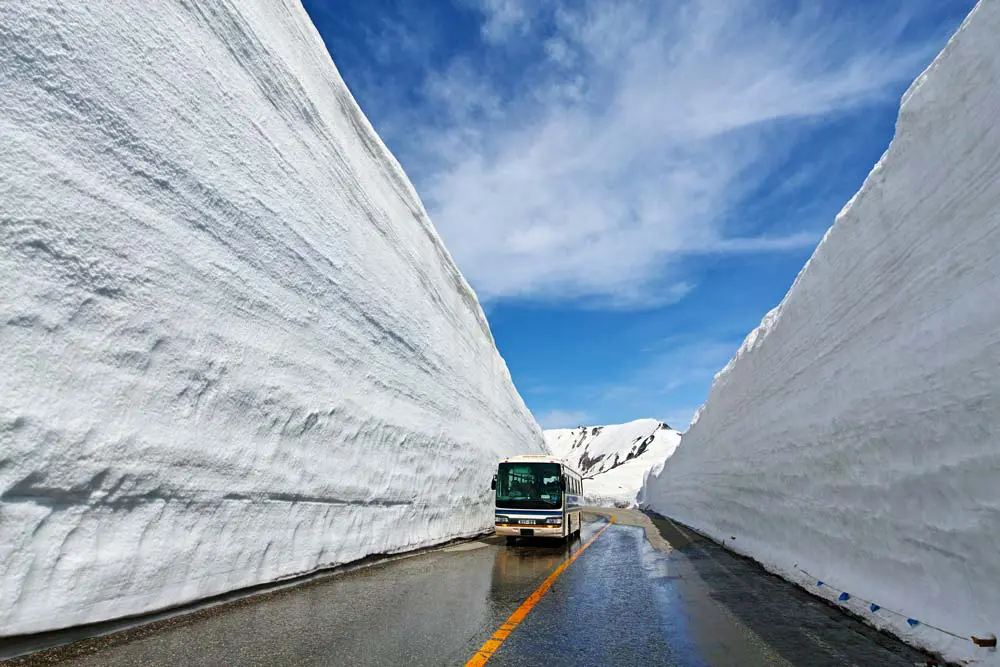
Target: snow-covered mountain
(614,459)
(855,436)
(233,347)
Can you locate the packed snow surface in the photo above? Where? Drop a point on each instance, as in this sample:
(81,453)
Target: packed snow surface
(234,348)
(855,436)
(614,459)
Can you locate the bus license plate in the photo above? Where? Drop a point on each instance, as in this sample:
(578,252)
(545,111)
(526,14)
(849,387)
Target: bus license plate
(526,522)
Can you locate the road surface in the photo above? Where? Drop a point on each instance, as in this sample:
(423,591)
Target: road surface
(639,594)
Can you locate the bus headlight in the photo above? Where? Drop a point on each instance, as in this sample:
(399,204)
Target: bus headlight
(502,519)
(554,520)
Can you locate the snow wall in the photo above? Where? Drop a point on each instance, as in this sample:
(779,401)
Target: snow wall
(233,347)
(855,436)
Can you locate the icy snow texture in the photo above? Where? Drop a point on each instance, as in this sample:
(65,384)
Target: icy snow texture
(856,434)
(233,347)
(614,459)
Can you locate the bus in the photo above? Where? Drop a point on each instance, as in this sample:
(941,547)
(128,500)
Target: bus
(537,496)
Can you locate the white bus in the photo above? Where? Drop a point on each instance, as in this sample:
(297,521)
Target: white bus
(537,495)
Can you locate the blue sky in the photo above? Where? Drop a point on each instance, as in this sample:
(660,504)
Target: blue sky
(630,186)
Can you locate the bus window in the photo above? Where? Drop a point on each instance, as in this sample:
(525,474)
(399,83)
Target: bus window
(529,485)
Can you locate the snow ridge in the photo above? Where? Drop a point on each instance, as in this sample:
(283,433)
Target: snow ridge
(614,459)
(234,349)
(855,436)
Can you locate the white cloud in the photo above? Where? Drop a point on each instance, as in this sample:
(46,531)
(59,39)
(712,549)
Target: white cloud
(559,51)
(563,419)
(631,138)
(506,18)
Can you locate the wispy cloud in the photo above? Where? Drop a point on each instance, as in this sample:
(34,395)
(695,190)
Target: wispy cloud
(584,149)
(506,18)
(676,371)
(563,419)
(675,365)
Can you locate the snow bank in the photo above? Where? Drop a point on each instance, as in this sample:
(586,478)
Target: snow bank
(614,459)
(856,434)
(234,348)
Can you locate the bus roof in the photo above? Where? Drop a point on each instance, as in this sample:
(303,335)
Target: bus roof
(540,458)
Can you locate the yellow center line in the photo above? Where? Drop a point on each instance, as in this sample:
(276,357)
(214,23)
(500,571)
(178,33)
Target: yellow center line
(487,650)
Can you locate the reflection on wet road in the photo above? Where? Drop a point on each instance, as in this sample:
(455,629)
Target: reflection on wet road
(622,602)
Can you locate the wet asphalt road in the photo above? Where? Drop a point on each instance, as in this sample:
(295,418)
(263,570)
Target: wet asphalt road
(622,602)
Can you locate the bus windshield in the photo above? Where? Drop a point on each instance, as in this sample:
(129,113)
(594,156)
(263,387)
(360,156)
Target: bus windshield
(529,486)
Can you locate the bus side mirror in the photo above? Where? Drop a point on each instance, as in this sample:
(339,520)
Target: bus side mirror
(493,484)
(562,483)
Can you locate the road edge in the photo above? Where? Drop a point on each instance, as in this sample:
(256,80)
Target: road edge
(934,658)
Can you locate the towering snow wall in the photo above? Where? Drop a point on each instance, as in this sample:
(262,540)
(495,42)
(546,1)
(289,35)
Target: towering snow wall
(232,346)
(855,437)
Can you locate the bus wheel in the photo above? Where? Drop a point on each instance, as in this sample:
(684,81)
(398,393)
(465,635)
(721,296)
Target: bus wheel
(511,540)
